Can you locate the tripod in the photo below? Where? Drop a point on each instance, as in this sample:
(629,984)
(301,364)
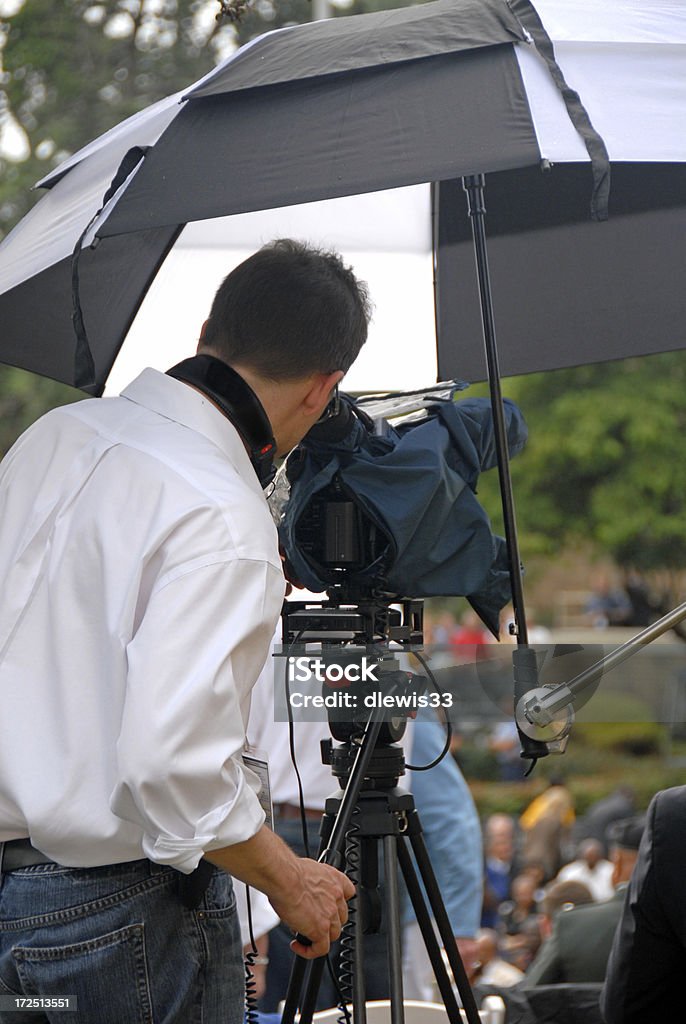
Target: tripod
(372,816)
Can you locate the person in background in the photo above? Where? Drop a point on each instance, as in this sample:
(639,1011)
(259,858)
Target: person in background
(608,605)
(518,921)
(546,825)
(505,744)
(499,866)
(452,833)
(490,968)
(581,939)
(469,631)
(601,815)
(592,869)
(560,896)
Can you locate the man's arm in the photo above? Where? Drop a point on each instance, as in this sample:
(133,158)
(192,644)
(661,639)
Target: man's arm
(310,897)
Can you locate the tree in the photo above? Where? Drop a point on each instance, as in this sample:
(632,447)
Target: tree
(604,464)
(74,68)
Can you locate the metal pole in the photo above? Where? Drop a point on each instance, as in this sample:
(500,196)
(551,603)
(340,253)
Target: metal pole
(474,185)
(562,696)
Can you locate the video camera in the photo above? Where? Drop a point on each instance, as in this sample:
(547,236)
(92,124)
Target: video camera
(378,508)
(379,513)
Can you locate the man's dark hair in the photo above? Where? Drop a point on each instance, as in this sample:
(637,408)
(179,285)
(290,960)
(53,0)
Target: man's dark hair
(569,893)
(288,311)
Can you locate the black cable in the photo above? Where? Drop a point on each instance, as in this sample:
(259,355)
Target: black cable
(348,945)
(448,724)
(301,802)
(251,1011)
(291,746)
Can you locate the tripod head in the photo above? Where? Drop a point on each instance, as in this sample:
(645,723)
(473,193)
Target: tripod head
(349,653)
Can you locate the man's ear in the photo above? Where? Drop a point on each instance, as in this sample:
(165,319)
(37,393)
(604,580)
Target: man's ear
(319,393)
(201,341)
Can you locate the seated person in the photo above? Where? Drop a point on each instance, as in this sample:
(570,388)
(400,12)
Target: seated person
(579,947)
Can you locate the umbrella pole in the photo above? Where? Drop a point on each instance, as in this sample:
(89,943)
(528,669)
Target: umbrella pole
(524,661)
(473,185)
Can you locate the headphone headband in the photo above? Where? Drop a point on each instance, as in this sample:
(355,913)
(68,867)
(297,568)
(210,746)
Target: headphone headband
(238,402)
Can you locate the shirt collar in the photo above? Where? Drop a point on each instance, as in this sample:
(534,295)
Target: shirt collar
(182,404)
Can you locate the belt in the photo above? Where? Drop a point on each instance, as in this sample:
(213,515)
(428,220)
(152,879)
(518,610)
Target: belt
(290,812)
(18,853)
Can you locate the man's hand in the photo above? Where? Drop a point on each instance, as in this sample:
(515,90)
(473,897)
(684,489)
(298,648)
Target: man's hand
(316,908)
(311,898)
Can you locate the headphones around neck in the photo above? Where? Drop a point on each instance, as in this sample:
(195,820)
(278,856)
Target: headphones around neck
(240,405)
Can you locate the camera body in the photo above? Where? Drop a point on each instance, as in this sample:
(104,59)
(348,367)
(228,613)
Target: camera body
(378,513)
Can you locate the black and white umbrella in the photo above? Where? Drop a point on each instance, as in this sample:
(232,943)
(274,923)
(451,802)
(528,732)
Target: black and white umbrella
(356,132)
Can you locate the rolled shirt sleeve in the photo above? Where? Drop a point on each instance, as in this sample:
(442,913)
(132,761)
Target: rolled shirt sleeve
(191,665)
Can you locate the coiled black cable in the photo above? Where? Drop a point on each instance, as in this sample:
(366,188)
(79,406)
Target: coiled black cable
(346,962)
(252,1015)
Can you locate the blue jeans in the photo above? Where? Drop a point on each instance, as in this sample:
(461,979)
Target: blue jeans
(120,940)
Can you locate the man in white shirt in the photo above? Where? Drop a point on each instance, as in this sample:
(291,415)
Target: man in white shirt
(141,584)
(592,869)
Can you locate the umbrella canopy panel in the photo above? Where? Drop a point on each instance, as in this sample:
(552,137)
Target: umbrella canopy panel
(607,291)
(385,236)
(322,138)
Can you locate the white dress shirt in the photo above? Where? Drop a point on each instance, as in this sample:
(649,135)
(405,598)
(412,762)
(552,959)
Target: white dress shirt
(140,586)
(597,879)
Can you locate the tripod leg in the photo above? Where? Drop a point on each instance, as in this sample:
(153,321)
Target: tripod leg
(295,984)
(395,956)
(430,941)
(426,873)
(332,855)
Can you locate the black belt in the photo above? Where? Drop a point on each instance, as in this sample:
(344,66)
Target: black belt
(291,812)
(18,853)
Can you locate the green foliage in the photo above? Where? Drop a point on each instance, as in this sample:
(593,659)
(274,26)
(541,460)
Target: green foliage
(75,68)
(23,398)
(603,463)
(621,723)
(646,776)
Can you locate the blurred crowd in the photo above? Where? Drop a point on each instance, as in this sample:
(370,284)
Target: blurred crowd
(542,864)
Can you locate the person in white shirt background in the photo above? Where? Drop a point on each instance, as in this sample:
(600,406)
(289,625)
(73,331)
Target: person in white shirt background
(141,584)
(591,868)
